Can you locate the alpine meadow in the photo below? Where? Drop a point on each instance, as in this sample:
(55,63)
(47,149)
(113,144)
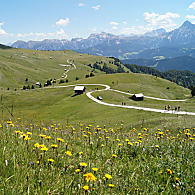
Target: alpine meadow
(93,102)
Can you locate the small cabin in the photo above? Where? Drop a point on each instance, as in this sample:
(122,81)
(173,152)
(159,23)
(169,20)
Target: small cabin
(138,97)
(79,90)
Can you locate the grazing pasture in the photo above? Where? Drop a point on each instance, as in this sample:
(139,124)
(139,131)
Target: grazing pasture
(54,158)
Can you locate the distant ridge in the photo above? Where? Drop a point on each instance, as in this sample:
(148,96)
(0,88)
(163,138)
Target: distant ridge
(119,46)
(4,47)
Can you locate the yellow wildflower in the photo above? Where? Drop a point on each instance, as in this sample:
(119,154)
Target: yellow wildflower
(169,171)
(129,143)
(54,146)
(78,170)
(82,164)
(94,169)
(44,149)
(86,187)
(111,185)
(50,160)
(68,153)
(108,176)
(60,139)
(89,176)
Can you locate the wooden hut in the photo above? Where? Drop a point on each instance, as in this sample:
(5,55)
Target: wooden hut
(138,97)
(79,90)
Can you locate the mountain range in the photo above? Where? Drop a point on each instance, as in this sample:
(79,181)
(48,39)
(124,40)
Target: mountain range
(157,44)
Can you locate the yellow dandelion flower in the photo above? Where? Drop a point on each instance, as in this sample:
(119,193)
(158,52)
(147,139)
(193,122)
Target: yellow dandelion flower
(102,145)
(127,140)
(54,146)
(111,185)
(176,179)
(89,177)
(44,149)
(60,139)
(29,133)
(50,160)
(157,146)
(68,153)
(169,171)
(108,176)
(36,145)
(129,143)
(27,138)
(80,153)
(78,170)
(48,137)
(114,155)
(82,164)
(86,188)
(94,169)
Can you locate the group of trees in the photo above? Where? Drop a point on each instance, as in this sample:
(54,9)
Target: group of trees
(183,78)
(102,66)
(46,84)
(89,75)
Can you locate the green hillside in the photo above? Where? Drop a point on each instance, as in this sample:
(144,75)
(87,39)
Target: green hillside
(53,142)
(58,104)
(18,64)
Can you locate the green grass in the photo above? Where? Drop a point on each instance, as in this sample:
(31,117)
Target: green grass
(38,66)
(59,105)
(157,161)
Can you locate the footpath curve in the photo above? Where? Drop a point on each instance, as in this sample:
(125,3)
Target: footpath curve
(107,87)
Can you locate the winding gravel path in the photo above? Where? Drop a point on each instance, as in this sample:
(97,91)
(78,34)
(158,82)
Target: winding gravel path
(107,87)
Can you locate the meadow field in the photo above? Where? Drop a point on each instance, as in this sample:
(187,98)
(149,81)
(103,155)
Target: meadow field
(53,142)
(56,158)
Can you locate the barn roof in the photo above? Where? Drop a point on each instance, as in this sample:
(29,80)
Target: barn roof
(139,95)
(79,88)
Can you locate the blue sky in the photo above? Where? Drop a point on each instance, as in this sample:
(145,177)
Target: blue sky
(65,19)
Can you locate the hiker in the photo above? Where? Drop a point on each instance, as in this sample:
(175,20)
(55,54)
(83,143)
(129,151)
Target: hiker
(175,108)
(178,108)
(169,107)
(165,107)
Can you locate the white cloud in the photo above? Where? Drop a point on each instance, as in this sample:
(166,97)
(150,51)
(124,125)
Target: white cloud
(192,6)
(63,22)
(135,30)
(2,31)
(114,27)
(190,17)
(114,23)
(40,36)
(155,20)
(124,22)
(97,7)
(81,4)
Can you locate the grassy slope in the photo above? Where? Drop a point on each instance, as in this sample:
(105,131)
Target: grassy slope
(18,64)
(58,105)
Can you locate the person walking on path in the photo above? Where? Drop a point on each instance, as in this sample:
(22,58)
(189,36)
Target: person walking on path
(175,108)
(178,108)
(168,107)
